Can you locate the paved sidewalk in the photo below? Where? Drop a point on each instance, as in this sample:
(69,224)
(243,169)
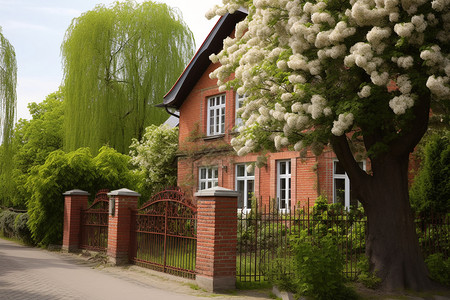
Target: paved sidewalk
(31,273)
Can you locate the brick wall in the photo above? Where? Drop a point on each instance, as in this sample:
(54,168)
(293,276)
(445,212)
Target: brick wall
(120,225)
(216,239)
(74,202)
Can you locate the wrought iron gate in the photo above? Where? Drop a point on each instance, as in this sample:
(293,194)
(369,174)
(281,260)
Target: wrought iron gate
(165,234)
(94,223)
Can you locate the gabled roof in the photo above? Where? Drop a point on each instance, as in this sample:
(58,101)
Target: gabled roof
(200,62)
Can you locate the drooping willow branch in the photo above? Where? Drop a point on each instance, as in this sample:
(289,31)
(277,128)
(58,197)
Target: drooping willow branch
(116,60)
(8,82)
(8,103)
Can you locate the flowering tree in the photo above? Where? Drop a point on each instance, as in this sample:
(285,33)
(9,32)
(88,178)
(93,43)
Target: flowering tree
(346,73)
(155,157)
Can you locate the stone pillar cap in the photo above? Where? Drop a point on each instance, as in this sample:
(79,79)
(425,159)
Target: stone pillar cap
(217,191)
(124,192)
(76,192)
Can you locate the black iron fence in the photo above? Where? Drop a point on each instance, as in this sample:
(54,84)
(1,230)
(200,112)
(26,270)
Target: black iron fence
(265,238)
(433,233)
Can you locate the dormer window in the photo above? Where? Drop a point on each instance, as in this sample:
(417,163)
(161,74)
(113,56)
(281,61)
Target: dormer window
(216,115)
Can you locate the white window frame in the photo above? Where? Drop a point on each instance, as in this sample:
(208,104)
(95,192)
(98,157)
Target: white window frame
(216,115)
(239,103)
(287,180)
(210,178)
(347,184)
(246,178)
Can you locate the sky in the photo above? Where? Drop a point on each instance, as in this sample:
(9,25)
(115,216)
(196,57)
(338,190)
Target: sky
(36,30)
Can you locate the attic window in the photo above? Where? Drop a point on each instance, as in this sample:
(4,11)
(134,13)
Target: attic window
(216,115)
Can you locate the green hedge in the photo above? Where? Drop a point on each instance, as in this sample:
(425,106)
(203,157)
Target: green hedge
(14,225)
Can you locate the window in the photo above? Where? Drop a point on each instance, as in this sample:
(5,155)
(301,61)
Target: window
(284,185)
(208,177)
(216,115)
(245,185)
(341,186)
(239,103)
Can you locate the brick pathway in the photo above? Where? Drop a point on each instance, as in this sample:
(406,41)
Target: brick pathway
(34,274)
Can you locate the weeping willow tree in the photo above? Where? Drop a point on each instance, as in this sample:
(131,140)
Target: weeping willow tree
(118,63)
(8,99)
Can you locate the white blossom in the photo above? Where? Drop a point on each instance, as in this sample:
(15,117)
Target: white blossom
(404,29)
(286,97)
(404,84)
(419,23)
(327,111)
(432,56)
(440,5)
(439,86)
(343,123)
(297,107)
(317,106)
(376,34)
(298,146)
(393,17)
(282,65)
(365,92)
(283,53)
(404,62)
(340,32)
(399,104)
(295,78)
(379,79)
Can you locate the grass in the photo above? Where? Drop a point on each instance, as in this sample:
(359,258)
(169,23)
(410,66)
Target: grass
(180,254)
(15,240)
(194,286)
(253,285)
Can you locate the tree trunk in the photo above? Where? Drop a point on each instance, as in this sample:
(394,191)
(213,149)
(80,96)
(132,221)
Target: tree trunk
(391,241)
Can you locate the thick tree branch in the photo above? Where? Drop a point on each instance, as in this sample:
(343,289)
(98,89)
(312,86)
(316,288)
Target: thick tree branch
(345,156)
(415,130)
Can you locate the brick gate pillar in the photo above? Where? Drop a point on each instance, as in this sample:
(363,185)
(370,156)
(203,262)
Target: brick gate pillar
(121,204)
(74,202)
(216,239)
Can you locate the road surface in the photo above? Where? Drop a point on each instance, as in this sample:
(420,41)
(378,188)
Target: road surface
(35,274)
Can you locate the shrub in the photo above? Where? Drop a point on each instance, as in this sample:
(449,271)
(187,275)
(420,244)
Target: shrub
(357,237)
(7,219)
(277,275)
(433,235)
(430,192)
(367,278)
(65,171)
(318,268)
(21,230)
(439,268)
(155,157)
(253,232)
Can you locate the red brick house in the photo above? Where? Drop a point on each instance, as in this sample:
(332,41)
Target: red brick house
(207,118)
